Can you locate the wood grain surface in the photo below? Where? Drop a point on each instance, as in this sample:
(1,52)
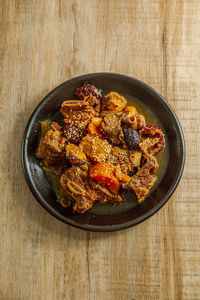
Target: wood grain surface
(45,42)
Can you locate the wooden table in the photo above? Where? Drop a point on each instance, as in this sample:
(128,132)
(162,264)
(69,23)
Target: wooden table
(44,43)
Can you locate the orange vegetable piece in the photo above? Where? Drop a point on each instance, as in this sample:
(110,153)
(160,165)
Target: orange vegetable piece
(96,121)
(104,174)
(109,175)
(120,175)
(92,129)
(113,101)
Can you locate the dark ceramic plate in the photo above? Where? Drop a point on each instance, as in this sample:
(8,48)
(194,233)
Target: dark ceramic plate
(105,217)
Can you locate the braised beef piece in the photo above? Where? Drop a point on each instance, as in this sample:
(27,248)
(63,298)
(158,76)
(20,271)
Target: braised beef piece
(94,103)
(80,118)
(116,127)
(124,158)
(111,127)
(152,139)
(143,180)
(52,145)
(105,195)
(84,191)
(74,182)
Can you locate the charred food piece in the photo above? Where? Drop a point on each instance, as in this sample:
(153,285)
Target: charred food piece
(86,89)
(111,127)
(131,137)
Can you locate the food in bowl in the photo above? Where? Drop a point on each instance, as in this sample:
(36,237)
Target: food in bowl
(102,148)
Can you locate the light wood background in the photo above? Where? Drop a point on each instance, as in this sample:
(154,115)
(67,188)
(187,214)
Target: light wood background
(44,43)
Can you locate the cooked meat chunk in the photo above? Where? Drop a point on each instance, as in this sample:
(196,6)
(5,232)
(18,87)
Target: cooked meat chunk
(143,180)
(111,127)
(106,196)
(80,119)
(141,185)
(80,113)
(124,158)
(84,191)
(94,103)
(52,145)
(134,121)
(96,149)
(75,182)
(154,143)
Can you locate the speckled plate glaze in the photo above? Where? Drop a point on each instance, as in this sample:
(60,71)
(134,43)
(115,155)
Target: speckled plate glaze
(105,217)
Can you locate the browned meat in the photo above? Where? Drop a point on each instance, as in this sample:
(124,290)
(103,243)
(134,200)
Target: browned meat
(143,180)
(153,139)
(111,127)
(75,183)
(84,191)
(96,149)
(152,145)
(82,116)
(106,196)
(135,122)
(52,145)
(80,119)
(94,103)
(112,123)
(124,158)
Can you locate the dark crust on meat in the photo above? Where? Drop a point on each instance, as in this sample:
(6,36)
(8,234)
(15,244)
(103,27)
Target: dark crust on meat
(51,147)
(111,127)
(143,180)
